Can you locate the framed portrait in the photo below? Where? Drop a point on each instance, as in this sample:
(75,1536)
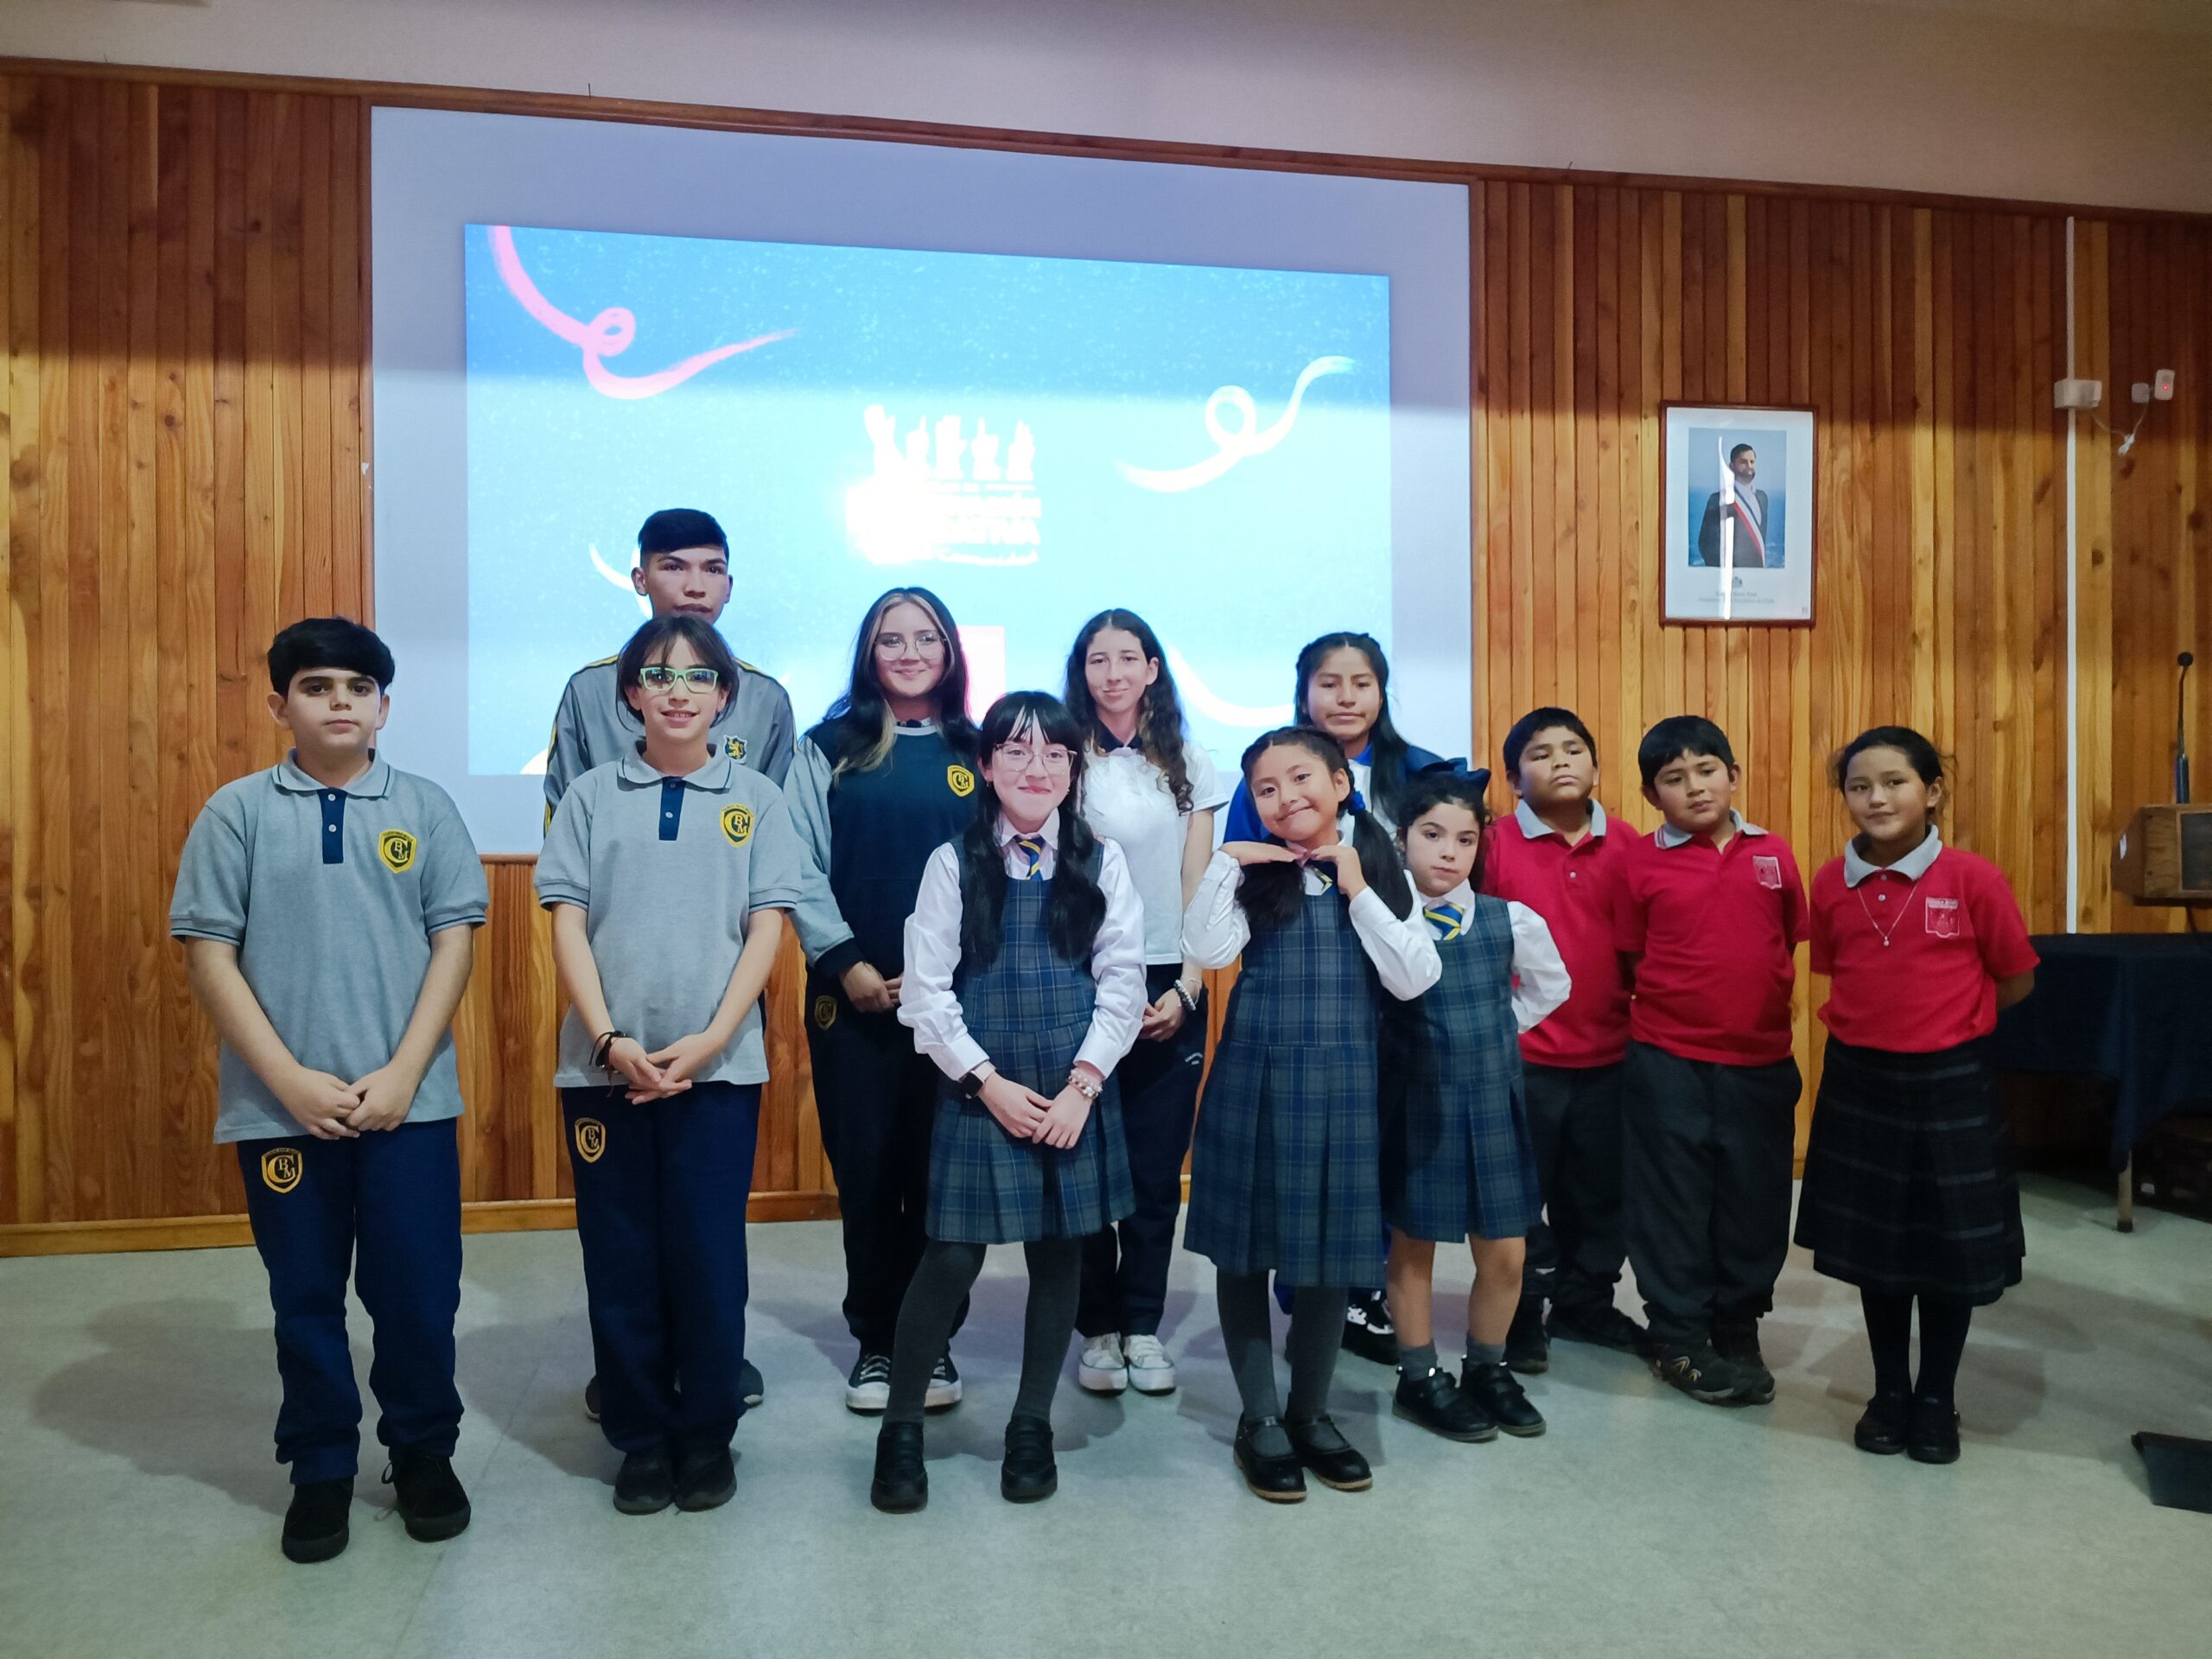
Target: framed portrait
(1738,546)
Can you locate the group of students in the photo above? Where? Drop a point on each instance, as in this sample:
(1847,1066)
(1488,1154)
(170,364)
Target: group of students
(1561,1041)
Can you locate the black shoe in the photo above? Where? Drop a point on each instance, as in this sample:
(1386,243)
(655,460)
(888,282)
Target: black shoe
(315,1526)
(1278,1479)
(902,1484)
(1528,1350)
(1600,1323)
(1496,1393)
(1931,1433)
(750,1388)
(1881,1426)
(1335,1463)
(1028,1474)
(429,1496)
(1434,1402)
(591,1398)
(1700,1373)
(706,1480)
(646,1485)
(1738,1342)
(1367,1330)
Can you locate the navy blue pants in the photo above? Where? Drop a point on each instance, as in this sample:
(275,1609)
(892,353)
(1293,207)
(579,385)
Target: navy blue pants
(384,1209)
(660,1211)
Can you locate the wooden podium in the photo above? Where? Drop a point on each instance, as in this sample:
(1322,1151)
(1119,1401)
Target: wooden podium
(2164,856)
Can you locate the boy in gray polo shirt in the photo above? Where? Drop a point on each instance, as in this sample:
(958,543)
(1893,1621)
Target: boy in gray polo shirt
(327,908)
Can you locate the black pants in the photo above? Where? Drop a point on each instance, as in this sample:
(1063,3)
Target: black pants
(878,1102)
(1125,1268)
(1707,1171)
(1576,1249)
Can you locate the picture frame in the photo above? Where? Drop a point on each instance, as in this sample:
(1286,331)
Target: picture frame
(1744,555)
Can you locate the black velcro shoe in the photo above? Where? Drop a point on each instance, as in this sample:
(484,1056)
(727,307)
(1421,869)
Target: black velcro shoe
(1496,1393)
(1931,1433)
(750,1388)
(902,1484)
(705,1480)
(1280,1478)
(1368,1330)
(1435,1403)
(314,1525)
(1881,1426)
(429,1496)
(591,1398)
(1599,1323)
(1700,1373)
(1738,1342)
(646,1485)
(1333,1460)
(1528,1350)
(1028,1475)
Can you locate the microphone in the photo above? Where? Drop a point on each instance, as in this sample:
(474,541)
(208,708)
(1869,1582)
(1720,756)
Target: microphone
(2186,661)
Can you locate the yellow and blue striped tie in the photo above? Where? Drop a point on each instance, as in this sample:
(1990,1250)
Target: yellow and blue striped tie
(1030,851)
(1449,920)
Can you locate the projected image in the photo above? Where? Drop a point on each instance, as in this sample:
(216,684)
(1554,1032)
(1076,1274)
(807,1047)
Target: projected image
(1035,439)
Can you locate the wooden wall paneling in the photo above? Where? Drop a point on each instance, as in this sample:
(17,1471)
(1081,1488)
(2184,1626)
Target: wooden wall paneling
(15,776)
(2094,589)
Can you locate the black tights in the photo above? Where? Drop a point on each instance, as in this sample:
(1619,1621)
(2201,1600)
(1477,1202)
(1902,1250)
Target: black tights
(1943,1322)
(1317,1330)
(938,1290)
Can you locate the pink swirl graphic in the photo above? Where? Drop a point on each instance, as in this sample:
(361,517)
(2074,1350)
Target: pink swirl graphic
(608,334)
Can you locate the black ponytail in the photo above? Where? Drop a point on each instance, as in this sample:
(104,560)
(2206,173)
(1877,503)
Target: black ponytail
(1272,894)
(1076,905)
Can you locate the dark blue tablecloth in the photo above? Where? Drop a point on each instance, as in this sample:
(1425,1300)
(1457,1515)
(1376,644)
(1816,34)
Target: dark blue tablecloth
(2134,1009)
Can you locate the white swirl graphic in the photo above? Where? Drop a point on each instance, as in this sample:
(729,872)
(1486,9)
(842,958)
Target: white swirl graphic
(1237,444)
(1200,697)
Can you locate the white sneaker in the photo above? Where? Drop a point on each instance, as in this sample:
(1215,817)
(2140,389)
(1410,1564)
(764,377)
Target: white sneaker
(868,1391)
(944,1389)
(1150,1369)
(1102,1369)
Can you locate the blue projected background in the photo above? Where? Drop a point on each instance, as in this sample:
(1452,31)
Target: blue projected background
(1033,438)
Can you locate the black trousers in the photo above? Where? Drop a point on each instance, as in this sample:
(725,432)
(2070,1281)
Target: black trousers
(1125,1267)
(1707,1171)
(1576,1249)
(878,1102)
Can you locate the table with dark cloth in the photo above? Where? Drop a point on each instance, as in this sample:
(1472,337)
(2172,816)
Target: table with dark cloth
(2134,1009)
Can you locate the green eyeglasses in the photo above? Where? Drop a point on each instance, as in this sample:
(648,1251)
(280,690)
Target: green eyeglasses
(659,676)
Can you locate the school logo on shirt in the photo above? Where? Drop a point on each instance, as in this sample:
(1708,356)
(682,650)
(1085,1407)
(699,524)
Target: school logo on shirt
(825,1011)
(737,825)
(1942,916)
(1768,868)
(734,748)
(960,781)
(281,1167)
(591,1139)
(397,848)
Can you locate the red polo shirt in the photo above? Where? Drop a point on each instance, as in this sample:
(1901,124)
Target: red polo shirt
(1954,929)
(1528,860)
(1715,928)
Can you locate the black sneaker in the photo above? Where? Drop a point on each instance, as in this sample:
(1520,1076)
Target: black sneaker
(706,1480)
(1280,1479)
(944,1385)
(646,1485)
(1600,1323)
(429,1496)
(1700,1373)
(314,1525)
(750,1388)
(1333,1460)
(1737,1341)
(1496,1393)
(868,1391)
(902,1482)
(1367,1330)
(1881,1426)
(1932,1431)
(1528,1350)
(1028,1474)
(591,1398)
(1435,1403)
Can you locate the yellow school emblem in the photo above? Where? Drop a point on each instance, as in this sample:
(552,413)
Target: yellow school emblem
(591,1139)
(281,1168)
(962,780)
(734,748)
(825,1011)
(397,848)
(737,825)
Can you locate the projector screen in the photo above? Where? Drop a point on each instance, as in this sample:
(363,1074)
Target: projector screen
(1235,402)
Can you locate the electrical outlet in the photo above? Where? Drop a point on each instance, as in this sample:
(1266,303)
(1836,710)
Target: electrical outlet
(2076,394)
(2162,387)
(2140,392)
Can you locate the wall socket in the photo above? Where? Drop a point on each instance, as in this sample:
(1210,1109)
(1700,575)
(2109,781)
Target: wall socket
(2162,388)
(2076,394)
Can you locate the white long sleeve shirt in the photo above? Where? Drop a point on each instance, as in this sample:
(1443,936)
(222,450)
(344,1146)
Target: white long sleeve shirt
(1541,982)
(1215,930)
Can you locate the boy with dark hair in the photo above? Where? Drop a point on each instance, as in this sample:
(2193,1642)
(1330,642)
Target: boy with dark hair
(1556,855)
(1708,915)
(326,907)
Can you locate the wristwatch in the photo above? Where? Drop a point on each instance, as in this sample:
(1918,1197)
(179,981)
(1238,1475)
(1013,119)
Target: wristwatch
(971,1086)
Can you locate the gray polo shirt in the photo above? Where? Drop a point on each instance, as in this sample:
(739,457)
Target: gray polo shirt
(593,725)
(666,871)
(331,896)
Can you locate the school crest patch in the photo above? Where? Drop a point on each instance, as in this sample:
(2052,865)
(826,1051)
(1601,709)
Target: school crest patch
(1942,916)
(734,748)
(960,781)
(825,1011)
(281,1167)
(737,825)
(397,848)
(591,1139)
(1768,868)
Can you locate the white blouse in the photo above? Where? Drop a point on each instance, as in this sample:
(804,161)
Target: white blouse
(1541,984)
(927,1006)
(1126,799)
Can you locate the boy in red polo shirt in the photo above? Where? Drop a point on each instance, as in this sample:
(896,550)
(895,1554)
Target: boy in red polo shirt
(1706,915)
(1556,855)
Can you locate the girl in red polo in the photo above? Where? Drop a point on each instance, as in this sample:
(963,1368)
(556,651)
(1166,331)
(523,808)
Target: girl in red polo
(1909,1189)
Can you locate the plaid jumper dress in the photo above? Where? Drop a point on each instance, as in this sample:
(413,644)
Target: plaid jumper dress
(1284,1164)
(1030,1010)
(1457,1158)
